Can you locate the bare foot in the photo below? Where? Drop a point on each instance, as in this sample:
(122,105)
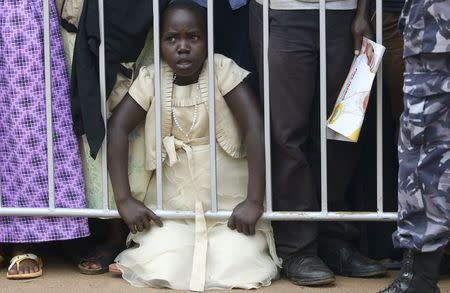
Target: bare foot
(114,269)
(91,265)
(26,266)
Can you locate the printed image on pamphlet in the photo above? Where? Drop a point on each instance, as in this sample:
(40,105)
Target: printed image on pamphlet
(348,114)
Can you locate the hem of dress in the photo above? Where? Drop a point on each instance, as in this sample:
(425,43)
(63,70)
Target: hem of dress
(138,282)
(48,240)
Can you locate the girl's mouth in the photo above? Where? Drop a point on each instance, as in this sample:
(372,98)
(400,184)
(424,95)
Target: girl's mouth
(184,64)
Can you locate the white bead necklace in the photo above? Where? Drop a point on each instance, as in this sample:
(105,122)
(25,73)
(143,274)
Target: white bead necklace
(194,117)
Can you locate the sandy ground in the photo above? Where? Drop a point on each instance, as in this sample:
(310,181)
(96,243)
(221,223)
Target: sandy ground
(61,277)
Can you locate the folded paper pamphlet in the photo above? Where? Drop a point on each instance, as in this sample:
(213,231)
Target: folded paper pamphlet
(348,114)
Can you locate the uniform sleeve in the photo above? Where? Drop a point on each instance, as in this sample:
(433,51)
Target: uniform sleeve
(229,74)
(142,90)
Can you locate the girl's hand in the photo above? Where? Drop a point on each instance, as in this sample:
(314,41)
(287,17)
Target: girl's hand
(244,217)
(136,215)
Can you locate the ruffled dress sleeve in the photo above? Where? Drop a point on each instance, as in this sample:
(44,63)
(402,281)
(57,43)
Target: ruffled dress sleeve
(229,74)
(142,90)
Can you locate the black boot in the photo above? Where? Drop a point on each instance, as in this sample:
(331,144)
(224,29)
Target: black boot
(419,274)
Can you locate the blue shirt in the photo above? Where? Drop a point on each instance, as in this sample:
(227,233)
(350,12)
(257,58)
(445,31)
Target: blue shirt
(235,4)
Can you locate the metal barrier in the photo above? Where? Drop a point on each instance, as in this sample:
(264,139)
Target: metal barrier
(323,215)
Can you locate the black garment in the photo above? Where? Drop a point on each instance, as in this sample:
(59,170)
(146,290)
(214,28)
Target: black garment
(389,5)
(126,26)
(393,5)
(294,98)
(231,37)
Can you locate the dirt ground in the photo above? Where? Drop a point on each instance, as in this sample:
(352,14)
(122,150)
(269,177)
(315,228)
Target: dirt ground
(62,277)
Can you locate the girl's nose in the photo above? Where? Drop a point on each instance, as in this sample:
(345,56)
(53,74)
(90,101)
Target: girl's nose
(184,47)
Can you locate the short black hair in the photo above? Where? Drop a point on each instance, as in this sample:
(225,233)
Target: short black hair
(188,5)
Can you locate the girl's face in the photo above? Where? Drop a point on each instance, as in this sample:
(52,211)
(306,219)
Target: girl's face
(184,43)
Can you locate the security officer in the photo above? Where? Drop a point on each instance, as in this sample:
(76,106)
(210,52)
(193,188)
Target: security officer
(424,146)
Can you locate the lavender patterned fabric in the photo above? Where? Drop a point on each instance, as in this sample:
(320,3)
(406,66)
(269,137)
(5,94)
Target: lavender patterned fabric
(23,135)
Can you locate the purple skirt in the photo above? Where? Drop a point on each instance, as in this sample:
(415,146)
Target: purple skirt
(23,131)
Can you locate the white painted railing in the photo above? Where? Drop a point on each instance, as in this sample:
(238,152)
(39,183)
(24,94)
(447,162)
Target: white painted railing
(323,215)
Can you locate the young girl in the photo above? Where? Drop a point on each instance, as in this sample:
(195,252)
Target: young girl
(195,254)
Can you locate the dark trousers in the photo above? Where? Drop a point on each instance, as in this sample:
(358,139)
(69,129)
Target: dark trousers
(393,67)
(376,238)
(231,36)
(294,99)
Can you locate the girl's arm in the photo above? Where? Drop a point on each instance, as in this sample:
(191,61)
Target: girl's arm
(125,118)
(243,104)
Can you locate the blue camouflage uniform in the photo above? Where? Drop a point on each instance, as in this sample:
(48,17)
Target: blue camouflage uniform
(424,142)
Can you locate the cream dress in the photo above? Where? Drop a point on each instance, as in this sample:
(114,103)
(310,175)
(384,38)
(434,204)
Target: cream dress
(198,254)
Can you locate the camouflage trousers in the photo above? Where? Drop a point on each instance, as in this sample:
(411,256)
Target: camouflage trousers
(424,174)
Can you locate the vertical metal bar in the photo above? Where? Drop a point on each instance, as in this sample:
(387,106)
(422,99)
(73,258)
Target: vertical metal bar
(323,107)
(379,39)
(267,106)
(102,77)
(212,107)
(157,62)
(48,105)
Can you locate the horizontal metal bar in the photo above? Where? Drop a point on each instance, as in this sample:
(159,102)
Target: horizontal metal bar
(274,216)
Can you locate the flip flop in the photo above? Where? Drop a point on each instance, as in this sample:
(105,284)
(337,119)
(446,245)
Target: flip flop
(15,261)
(103,255)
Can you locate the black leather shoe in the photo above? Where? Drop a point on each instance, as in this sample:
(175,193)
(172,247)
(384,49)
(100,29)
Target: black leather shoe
(420,273)
(307,270)
(345,260)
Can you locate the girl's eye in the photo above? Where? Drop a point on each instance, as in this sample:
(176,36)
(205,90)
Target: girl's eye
(170,39)
(194,37)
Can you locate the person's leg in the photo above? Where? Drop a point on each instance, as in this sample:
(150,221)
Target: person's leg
(424,175)
(393,66)
(423,227)
(101,255)
(342,160)
(378,235)
(424,188)
(343,157)
(293,62)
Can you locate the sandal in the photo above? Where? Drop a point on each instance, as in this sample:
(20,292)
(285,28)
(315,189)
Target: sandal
(103,255)
(15,261)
